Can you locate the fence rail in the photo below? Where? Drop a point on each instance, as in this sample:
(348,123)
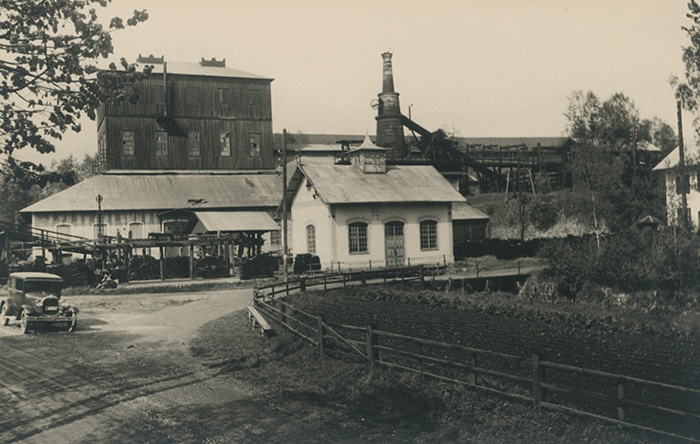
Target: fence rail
(530,379)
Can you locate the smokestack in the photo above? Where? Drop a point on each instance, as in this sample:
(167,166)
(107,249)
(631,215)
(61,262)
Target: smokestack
(388,86)
(389,123)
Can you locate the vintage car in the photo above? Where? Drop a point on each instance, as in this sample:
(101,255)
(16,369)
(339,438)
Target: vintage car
(34,299)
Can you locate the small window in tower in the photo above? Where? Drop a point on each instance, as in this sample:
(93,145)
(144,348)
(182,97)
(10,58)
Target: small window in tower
(127,143)
(225,140)
(161,143)
(192,99)
(254,103)
(224,102)
(193,145)
(254,144)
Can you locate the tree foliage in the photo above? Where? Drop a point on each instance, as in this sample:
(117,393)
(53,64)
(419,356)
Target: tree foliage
(49,76)
(15,195)
(601,163)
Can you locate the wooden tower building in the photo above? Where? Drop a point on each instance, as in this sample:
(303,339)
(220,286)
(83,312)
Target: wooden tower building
(191,116)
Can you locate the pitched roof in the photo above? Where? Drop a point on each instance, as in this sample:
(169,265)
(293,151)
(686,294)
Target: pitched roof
(464,211)
(162,190)
(195,69)
(236,221)
(691,154)
(348,184)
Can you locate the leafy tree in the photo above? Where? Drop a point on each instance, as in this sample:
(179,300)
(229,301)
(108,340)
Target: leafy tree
(604,132)
(49,75)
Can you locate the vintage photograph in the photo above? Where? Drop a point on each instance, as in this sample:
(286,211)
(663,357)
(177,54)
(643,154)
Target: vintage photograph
(313,222)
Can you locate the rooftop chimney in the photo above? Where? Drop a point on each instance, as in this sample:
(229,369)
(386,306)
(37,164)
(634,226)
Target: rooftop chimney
(389,122)
(151,60)
(213,62)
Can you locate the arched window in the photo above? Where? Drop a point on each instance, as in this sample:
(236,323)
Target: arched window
(311,239)
(428,235)
(357,233)
(136,230)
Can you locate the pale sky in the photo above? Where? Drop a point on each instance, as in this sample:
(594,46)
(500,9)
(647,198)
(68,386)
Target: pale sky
(480,68)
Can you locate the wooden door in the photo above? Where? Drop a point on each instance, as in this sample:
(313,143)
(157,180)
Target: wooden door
(394,242)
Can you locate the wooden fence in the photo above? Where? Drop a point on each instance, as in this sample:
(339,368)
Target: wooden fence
(661,408)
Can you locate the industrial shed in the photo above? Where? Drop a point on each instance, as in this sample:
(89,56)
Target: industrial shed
(369,213)
(143,204)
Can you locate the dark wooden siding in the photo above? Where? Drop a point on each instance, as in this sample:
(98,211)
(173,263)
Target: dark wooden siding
(210,132)
(211,106)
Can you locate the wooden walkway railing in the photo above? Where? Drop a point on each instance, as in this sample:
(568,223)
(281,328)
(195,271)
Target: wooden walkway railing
(665,409)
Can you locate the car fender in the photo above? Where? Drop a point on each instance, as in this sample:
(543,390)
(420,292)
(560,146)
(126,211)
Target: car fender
(10,306)
(30,310)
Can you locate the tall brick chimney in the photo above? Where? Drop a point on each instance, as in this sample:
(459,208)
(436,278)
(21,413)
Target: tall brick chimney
(389,124)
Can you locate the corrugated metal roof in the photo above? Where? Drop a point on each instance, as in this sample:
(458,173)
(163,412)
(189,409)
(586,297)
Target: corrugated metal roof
(195,69)
(464,211)
(406,183)
(135,190)
(236,221)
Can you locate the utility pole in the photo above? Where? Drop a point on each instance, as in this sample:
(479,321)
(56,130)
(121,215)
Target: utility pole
(681,168)
(284,205)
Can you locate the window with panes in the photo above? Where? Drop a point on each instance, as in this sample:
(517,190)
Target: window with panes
(357,233)
(254,144)
(127,143)
(161,143)
(428,235)
(311,239)
(193,145)
(225,141)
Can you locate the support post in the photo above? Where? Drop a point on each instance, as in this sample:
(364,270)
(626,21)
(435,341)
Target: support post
(536,383)
(421,273)
(162,263)
(620,396)
(319,321)
(191,251)
(325,284)
(371,341)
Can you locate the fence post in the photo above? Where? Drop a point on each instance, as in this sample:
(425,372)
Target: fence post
(287,287)
(344,284)
(325,284)
(272,291)
(536,383)
(518,266)
(302,284)
(384,274)
(283,313)
(476,264)
(370,265)
(620,395)
(444,260)
(421,273)
(371,340)
(409,262)
(363,278)
(320,336)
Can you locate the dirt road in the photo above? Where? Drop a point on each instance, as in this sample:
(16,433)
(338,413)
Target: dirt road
(124,375)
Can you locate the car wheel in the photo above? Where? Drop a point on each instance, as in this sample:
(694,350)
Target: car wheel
(4,318)
(24,324)
(73,323)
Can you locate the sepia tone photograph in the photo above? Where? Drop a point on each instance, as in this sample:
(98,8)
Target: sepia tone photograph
(313,222)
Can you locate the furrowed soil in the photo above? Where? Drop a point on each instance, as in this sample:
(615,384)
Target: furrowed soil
(188,368)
